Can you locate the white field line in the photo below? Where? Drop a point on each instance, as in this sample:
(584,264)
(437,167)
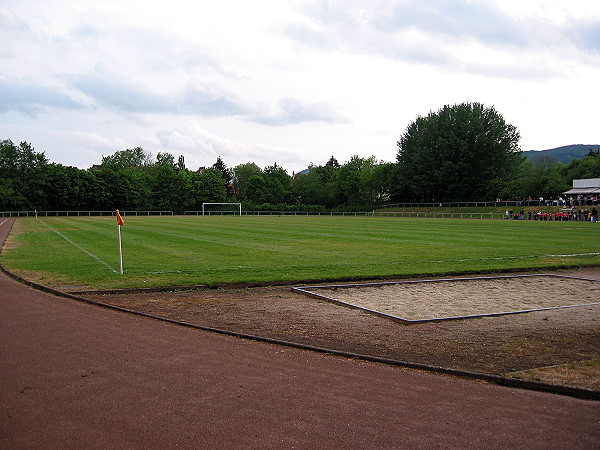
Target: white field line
(501,258)
(577,254)
(3,222)
(78,246)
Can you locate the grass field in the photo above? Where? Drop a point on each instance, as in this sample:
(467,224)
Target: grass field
(191,250)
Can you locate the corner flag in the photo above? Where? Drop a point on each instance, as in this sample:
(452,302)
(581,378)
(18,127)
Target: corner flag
(119,219)
(119,225)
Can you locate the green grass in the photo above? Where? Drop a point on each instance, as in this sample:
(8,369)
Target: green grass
(180,250)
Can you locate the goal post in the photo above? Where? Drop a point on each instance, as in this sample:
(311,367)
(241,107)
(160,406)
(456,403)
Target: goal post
(222,208)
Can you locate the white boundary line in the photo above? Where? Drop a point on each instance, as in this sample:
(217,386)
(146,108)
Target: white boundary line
(78,246)
(500,258)
(3,222)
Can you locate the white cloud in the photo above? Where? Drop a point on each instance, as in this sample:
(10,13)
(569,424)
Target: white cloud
(30,98)
(291,110)
(288,82)
(443,33)
(96,141)
(199,145)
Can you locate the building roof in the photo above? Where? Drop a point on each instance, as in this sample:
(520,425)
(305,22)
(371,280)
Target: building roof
(582,191)
(585,186)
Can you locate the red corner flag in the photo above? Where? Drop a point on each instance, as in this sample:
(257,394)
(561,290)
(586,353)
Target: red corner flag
(119,219)
(119,225)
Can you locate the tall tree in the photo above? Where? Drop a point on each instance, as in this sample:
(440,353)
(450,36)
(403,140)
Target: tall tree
(165,159)
(125,188)
(318,186)
(457,153)
(381,182)
(20,168)
(308,188)
(180,163)
(241,175)
(131,157)
(226,174)
(588,167)
(208,187)
(257,189)
(277,184)
(354,182)
(166,189)
(333,163)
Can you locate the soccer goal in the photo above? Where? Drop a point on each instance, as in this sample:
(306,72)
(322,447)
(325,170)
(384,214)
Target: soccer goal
(222,209)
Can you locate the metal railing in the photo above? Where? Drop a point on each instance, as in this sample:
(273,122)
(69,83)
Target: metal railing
(81,213)
(497,203)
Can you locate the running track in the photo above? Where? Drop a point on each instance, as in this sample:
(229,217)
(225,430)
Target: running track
(74,375)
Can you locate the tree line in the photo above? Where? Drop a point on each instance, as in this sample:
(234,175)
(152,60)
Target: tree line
(132,179)
(464,152)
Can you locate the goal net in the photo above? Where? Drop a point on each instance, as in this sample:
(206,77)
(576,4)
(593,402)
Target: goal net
(221,209)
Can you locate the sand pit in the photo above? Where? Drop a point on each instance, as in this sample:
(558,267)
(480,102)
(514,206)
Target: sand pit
(456,298)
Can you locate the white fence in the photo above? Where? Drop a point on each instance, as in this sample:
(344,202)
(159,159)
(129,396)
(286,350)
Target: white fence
(81,213)
(420,214)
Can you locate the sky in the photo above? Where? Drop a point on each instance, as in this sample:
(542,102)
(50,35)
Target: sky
(288,82)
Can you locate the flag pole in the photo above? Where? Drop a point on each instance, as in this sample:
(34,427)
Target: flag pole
(119,225)
(120,251)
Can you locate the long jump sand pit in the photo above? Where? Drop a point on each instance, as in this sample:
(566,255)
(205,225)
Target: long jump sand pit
(458,298)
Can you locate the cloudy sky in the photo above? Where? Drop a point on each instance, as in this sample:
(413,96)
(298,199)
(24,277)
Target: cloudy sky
(291,82)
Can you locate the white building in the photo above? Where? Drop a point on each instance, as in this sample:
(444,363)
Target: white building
(589,186)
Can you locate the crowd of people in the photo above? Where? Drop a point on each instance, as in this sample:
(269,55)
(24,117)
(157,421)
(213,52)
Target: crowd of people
(578,200)
(564,214)
(574,200)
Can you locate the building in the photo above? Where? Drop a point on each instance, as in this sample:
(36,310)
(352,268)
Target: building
(589,186)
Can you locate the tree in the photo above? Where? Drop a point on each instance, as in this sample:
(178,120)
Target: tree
(10,198)
(541,178)
(241,175)
(126,188)
(333,163)
(19,161)
(165,159)
(166,187)
(208,187)
(134,157)
(354,183)
(180,163)
(588,167)
(9,154)
(319,185)
(309,190)
(277,184)
(226,174)
(382,182)
(257,190)
(20,168)
(456,154)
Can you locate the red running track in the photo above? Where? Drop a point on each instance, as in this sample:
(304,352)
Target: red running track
(74,375)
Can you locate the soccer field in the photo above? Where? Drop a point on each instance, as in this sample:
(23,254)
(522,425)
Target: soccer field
(192,250)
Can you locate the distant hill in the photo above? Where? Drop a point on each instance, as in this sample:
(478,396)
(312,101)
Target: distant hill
(564,154)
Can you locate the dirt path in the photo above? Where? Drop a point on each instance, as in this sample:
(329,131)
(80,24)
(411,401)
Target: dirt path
(75,375)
